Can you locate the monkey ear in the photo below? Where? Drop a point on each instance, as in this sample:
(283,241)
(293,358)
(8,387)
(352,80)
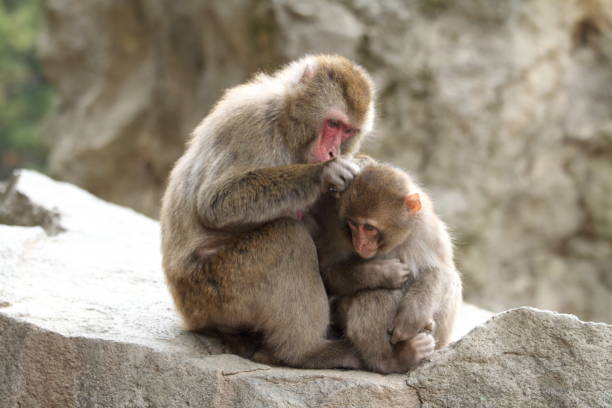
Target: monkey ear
(308,74)
(413,203)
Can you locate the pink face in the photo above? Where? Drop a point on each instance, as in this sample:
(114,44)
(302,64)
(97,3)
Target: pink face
(365,238)
(336,130)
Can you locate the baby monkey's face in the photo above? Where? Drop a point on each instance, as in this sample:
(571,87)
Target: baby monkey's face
(365,236)
(377,209)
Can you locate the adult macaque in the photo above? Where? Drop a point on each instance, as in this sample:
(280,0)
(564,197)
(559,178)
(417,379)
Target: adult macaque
(235,253)
(387,259)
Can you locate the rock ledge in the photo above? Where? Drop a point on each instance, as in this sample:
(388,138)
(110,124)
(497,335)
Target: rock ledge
(86,320)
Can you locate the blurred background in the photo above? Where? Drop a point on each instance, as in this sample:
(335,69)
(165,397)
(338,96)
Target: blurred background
(503,110)
(25,94)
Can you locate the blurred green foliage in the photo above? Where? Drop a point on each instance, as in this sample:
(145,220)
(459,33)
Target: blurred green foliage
(25,95)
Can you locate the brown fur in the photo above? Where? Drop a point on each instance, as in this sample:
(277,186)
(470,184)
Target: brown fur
(388,303)
(235,255)
(355,86)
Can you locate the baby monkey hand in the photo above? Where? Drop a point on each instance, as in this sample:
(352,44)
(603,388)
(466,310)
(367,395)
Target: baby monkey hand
(388,273)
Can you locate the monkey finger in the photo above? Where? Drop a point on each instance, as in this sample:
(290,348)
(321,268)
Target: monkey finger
(346,177)
(426,349)
(349,164)
(424,339)
(424,343)
(346,174)
(338,183)
(398,335)
(430,326)
(353,168)
(337,175)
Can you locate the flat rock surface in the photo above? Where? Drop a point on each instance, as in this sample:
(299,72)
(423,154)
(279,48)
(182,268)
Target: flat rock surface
(86,321)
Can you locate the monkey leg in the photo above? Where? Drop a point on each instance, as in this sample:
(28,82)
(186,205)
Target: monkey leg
(295,327)
(446,316)
(268,281)
(368,316)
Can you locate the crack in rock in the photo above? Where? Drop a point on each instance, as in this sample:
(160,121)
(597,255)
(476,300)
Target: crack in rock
(233,373)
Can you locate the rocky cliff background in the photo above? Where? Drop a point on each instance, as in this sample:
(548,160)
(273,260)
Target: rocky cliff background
(502,109)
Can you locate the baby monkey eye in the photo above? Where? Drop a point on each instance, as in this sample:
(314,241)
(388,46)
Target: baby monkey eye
(369,227)
(334,123)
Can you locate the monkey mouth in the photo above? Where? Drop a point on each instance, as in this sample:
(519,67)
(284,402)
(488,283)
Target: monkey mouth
(367,255)
(327,150)
(365,252)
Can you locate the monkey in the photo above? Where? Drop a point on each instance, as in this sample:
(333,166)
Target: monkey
(387,262)
(235,250)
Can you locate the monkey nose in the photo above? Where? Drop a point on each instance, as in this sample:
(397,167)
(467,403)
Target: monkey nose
(363,250)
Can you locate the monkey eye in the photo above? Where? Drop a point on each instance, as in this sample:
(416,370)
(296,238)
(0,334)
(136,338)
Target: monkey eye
(351,223)
(351,131)
(334,123)
(369,227)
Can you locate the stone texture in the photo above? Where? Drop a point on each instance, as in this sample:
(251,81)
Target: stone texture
(520,358)
(501,108)
(135,78)
(86,320)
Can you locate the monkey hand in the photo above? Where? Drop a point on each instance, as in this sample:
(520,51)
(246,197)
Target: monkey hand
(409,320)
(389,273)
(337,174)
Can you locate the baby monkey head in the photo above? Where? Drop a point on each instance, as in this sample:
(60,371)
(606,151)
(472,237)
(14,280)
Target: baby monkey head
(380,208)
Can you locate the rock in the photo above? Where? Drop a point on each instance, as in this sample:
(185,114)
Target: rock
(86,320)
(132,94)
(17,209)
(47,369)
(522,358)
(106,260)
(501,109)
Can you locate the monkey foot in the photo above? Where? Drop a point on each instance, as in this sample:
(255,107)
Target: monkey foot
(419,347)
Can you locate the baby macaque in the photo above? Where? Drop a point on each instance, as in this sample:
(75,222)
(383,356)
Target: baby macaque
(387,263)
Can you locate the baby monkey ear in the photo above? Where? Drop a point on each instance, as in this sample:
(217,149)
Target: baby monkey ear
(413,203)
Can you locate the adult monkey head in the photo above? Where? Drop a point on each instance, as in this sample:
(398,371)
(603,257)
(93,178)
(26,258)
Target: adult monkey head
(334,97)
(234,254)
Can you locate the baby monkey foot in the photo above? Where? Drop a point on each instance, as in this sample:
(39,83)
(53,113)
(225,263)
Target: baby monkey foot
(418,348)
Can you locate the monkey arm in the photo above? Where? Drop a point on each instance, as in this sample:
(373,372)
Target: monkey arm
(421,302)
(259,195)
(339,280)
(349,277)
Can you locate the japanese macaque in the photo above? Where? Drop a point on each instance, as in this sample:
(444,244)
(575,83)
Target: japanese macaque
(387,260)
(235,252)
